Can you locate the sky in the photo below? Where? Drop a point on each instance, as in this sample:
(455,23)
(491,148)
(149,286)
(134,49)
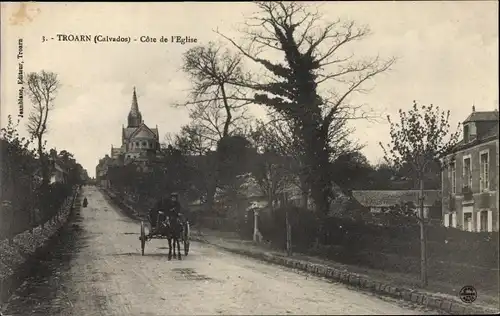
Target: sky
(447,55)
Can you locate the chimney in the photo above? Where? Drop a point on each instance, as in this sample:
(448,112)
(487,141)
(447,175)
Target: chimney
(473,108)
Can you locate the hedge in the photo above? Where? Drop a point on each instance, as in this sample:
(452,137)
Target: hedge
(444,244)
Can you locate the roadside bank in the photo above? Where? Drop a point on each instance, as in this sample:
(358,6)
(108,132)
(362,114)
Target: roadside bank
(19,259)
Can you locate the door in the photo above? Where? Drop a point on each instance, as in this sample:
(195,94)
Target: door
(468,222)
(467,218)
(484,221)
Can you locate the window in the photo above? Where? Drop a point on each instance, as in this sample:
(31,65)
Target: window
(484,174)
(143,144)
(453,178)
(466,133)
(467,173)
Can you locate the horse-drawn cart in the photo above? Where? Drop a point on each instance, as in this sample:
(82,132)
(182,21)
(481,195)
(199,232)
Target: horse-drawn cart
(164,231)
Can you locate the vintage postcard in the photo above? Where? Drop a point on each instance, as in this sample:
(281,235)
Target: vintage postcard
(257,158)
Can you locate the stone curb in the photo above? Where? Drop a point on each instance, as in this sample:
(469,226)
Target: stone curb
(438,303)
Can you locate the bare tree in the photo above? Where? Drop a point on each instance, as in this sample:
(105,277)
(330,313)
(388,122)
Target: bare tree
(42,91)
(418,141)
(272,171)
(277,136)
(214,123)
(312,57)
(191,141)
(212,70)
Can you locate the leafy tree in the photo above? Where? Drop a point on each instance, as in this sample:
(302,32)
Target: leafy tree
(419,140)
(18,169)
(176,170)
(352,170)
(41,89)
(123,178)
(234,157)
(311,57)
(21,185)
(201,159)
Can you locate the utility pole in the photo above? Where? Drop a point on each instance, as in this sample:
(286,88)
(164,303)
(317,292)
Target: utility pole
(256,225)
(288,226)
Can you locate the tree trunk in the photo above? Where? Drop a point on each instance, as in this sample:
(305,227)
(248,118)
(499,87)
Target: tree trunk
(228,111)
(423,238)
(288,233)
(304,201)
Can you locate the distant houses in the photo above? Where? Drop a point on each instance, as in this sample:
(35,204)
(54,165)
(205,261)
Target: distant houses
(57,171)
(470,180)
(59,174)
(377,202)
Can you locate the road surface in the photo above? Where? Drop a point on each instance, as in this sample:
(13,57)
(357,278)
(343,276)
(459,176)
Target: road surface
(98,270)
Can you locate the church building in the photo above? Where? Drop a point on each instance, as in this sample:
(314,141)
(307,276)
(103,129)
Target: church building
(139,142)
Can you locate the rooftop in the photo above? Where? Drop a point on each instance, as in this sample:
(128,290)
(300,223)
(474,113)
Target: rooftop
(386,198)
(483,116)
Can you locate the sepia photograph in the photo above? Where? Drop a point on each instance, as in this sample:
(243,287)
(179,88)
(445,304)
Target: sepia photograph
(249,158)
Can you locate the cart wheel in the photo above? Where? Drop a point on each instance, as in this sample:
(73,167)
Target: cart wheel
(143,238)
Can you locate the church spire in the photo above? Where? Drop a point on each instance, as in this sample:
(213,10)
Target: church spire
(134,117)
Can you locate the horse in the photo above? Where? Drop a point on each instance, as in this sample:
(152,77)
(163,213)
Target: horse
(173,231)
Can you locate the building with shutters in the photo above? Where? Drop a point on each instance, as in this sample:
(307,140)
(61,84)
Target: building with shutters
(470,179)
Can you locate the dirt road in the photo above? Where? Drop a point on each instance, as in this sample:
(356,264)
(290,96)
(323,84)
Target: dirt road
(98,269)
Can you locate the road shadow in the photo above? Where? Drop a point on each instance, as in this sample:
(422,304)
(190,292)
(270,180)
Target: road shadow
(148,255)
(48,272)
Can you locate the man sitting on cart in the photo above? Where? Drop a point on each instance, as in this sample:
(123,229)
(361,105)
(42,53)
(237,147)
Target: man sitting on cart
(170,207)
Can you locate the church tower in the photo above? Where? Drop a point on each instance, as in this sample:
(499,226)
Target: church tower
(134,116)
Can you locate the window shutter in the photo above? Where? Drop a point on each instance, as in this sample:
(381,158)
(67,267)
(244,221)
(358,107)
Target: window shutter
(454,219)
(490,221)
(481,167)
(478,221)
(487,173)
(446,220)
